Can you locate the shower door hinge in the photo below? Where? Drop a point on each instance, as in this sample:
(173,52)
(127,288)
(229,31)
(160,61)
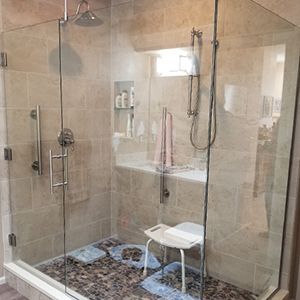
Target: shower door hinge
(12,240)
(7,153)
(3,59)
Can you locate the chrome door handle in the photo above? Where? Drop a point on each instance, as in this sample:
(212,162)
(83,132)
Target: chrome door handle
(66,171)
(36,115)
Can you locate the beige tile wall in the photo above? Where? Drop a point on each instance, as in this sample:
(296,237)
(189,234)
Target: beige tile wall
(288,9)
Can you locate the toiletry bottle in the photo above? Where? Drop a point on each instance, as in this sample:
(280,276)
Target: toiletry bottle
(154,131)
(128,127)
(132,125)
(125,99)
(141,131)
(118,101)
(132,96)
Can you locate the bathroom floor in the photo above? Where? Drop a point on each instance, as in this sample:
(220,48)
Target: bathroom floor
(107,278)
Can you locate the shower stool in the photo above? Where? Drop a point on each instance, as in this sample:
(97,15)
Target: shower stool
(183,236)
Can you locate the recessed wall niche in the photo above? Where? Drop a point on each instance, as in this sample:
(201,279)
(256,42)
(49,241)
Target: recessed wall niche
(124,102)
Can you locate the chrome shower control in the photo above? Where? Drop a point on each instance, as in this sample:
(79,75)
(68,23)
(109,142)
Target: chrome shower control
(66,137)
(35,165)
(166,193)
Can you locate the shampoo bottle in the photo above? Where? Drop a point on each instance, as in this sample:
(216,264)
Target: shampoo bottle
(118,101)
(125,99)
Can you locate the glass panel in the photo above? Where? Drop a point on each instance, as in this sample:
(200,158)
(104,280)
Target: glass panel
(33,115)
(158,177)
(257,66)
(181,82)
(85,71)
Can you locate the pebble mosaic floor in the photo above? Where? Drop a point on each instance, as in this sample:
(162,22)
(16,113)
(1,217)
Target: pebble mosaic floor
(107,278)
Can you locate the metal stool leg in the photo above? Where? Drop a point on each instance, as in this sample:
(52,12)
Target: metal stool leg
(203,262)
(183,289)
(165,255)
(146,257)
(164,260)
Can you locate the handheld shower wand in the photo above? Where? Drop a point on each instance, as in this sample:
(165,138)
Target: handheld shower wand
(194,73)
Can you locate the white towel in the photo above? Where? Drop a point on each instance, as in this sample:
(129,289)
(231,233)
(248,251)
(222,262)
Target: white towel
(183,236)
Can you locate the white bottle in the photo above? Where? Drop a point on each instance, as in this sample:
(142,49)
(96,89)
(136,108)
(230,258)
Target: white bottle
(132,96)
(128,127)
(118,101)
(125,99)
(154,131)
(132,126)
(141,131)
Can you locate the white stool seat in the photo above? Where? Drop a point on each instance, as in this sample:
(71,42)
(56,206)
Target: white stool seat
(182,236)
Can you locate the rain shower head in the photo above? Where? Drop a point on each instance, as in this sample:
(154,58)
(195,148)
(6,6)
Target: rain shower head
(88,18)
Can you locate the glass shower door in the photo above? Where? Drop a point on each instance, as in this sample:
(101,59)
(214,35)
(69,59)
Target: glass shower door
(85,74)
(33,120)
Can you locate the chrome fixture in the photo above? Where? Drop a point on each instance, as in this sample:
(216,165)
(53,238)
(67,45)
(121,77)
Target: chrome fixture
(12,240)
(7,153)
(66,137)
(37,164)
(86,19)
(64,157)
(3,59)
(194,73)
(163,190)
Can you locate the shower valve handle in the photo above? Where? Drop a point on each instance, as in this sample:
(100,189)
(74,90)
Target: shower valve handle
(166,193)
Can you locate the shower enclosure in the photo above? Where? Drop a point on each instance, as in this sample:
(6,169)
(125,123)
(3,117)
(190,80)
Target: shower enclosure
(95,97)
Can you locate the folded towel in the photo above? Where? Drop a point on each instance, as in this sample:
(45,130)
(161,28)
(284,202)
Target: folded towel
(182,236)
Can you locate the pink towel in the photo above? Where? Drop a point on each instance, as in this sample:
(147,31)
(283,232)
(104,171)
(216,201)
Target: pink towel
(165,156)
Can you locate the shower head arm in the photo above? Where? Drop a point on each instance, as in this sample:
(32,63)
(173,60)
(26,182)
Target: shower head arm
(79,6)
(87,18)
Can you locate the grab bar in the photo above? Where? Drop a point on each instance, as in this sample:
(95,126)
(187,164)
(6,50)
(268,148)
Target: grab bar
(37,165)
(66,171)
(163,155)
